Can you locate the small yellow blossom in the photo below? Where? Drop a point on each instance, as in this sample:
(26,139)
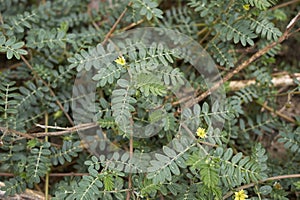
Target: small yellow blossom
(246,7)
(121,60)
(58,114)
(201,132)
(240,195)
(277,186)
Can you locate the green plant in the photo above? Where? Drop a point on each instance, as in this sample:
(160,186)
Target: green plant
(54,52)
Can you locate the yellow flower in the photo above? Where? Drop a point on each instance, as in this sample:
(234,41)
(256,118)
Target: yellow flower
(240,195)
(121,61)
(58,114)
(201,132)
(246,7)
(277,186)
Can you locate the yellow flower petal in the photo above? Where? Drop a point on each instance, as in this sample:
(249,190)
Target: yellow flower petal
(121,61)
(246,7)
(58,114)
(201,132)
(277,186)
(240,195)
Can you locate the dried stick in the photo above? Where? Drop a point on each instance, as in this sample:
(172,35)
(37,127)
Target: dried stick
(67,130)
(28,194)
(131,155)
(57,133)
(262,181)
(285,80)
(25,135)
(47,174)
(132,25)
(284,4)
(51,91)
(50,174)
(113,28)
(278,113)
(247,62)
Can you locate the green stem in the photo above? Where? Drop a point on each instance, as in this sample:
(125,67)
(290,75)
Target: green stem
(47,175)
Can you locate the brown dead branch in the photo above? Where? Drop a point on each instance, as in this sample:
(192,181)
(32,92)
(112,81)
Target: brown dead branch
(280,81)
(28,195)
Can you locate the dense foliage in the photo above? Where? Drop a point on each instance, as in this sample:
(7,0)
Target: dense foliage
(77,82)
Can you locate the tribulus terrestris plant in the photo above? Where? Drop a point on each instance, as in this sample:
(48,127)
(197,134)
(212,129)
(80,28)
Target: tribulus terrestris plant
(149,99)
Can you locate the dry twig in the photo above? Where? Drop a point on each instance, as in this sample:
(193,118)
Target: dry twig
(51,91)
(262,181)
(28,194)
(247,62)
(280,81)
